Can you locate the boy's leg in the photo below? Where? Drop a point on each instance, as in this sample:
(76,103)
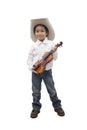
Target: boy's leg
(36,93)
(48,80)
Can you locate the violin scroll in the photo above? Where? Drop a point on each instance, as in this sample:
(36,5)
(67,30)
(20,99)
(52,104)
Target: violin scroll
(59,44)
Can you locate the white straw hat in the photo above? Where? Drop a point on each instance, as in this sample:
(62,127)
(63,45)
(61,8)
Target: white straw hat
(43,21)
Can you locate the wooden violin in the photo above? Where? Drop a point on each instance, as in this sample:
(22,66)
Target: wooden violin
(40,65)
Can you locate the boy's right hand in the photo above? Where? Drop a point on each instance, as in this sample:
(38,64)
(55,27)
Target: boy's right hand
(34,71)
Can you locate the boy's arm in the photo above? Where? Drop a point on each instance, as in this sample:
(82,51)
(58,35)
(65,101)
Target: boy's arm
(30,59)
(55,55)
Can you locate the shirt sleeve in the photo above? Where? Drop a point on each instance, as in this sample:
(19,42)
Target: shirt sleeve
(55,55)
(30,59)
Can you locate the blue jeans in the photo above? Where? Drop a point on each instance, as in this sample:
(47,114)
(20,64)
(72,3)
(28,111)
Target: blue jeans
(46,76)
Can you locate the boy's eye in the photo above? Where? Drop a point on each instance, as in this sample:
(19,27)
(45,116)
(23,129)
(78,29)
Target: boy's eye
(37,31)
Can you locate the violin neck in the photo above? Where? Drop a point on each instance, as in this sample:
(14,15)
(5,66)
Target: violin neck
(49,53)
(52,51)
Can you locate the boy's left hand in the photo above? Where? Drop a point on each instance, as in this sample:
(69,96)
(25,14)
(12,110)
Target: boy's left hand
(44,55)
(54,49)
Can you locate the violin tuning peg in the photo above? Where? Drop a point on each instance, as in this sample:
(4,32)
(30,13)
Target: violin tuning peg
(61,43)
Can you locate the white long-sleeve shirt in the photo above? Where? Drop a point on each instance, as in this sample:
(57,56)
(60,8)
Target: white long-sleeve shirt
(38,49)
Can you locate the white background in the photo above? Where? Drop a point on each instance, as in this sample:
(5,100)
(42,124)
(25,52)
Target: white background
(69,19)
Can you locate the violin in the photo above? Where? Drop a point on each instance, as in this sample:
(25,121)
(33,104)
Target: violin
(40,65)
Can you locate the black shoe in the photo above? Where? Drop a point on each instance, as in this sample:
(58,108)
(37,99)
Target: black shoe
(34,113)
(59,111)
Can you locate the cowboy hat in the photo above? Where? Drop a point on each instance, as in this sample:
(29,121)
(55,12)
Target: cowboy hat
(45,22)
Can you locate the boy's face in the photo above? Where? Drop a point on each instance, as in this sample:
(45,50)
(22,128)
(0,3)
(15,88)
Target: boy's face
(40,32)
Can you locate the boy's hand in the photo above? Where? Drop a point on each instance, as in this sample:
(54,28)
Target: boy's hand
(34,71)
(45,54)
(54,49)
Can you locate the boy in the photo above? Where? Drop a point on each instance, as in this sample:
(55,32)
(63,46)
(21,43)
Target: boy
(42,34)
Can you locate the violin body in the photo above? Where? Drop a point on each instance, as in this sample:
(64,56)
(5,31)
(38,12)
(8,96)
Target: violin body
(40,65)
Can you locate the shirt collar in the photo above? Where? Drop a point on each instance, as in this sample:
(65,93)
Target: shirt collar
(41,42)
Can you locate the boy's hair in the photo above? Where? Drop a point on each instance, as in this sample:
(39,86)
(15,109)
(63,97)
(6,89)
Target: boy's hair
(47,31)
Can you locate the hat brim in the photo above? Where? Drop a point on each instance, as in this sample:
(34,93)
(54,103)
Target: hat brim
(43,21)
